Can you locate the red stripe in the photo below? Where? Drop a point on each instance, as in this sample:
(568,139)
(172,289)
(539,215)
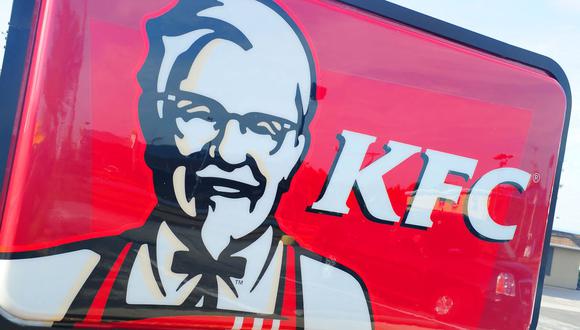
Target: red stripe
(267,324)
(95,313)
(169,323)
(289,303)
(248,323)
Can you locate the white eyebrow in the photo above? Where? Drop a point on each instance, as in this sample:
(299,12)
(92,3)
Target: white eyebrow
(266,126)
(199,108)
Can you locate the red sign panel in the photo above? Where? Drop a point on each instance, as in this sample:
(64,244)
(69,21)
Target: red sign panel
(275,165)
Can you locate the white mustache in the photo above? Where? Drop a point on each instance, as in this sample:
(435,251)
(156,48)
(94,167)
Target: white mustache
(242,174)
(188,206)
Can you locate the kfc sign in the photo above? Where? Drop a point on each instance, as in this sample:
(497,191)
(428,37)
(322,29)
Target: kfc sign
(288,164)
(373,197)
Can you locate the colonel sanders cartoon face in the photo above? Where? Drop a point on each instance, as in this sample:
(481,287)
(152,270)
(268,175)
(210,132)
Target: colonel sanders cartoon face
(231,101)
(225,106)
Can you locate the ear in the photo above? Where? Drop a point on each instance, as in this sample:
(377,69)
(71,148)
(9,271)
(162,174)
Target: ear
(300,145)
(297,151)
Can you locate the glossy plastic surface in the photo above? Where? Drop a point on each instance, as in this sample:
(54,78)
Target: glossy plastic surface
(79,170)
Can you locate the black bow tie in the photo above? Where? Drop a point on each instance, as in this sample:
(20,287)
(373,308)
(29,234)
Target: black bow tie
(198,261)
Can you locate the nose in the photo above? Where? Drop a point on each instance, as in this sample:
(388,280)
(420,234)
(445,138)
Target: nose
(231,145)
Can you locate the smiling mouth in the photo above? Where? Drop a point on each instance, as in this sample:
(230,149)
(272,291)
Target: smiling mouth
(226,190)
(229,188)
(242,175)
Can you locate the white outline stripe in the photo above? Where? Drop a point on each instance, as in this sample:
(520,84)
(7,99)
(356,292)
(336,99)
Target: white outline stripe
(275,324)
(258,323)
(238,323)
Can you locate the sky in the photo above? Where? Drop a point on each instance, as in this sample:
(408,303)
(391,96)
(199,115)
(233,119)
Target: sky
(548,27)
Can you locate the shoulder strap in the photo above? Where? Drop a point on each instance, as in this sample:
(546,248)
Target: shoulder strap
(97,308)
(292,312)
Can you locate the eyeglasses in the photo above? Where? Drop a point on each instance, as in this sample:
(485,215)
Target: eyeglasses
(187,105)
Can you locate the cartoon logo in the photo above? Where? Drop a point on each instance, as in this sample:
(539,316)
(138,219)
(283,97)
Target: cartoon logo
(227,96)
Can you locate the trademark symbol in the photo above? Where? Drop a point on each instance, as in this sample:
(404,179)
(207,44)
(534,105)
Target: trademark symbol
(239,282)
(536,177)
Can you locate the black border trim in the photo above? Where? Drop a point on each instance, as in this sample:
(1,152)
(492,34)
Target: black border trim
(13,83)
(21,33)
(14,80)
(501,49)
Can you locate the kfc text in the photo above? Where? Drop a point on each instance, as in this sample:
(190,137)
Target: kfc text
(368,184)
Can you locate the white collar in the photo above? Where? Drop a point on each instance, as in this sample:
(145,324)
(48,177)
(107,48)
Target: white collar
(142,289)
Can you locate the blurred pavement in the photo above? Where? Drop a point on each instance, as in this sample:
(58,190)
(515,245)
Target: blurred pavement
(560,309)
